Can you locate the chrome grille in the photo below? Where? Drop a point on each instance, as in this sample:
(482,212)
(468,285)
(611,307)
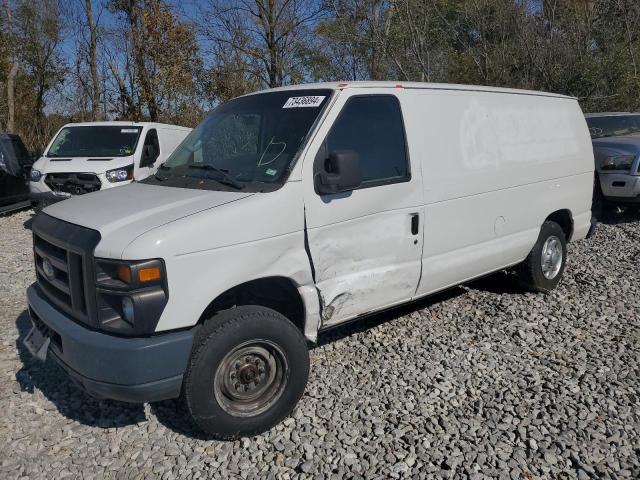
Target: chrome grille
(63,255)
(61,284)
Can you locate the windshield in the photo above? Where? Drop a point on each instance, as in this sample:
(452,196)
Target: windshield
(614,125)
(95,141)
(249,143)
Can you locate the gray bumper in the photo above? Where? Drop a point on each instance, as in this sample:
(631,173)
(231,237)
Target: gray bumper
(128,369)
(620,187)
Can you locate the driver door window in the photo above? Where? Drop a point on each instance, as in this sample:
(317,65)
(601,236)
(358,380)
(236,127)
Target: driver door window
(372,127)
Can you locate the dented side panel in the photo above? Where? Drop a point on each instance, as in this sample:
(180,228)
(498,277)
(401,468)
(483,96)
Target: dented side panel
(361,243)
(365,264)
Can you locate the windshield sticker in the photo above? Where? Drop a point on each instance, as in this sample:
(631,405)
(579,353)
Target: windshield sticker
(308,101)
(271,172)
(128,130)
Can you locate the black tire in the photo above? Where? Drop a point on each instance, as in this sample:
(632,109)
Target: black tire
(530,272)
(213,385)
(598,202)
(601,208)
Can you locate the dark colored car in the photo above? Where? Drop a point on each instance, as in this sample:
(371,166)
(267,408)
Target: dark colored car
(616,148)
(15,164)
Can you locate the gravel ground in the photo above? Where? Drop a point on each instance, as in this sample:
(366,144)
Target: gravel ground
(482,381)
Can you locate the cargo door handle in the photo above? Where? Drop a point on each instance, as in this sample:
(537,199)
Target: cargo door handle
(415,223)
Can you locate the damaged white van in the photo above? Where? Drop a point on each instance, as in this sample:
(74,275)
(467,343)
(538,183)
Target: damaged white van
(293,210)
(92,156)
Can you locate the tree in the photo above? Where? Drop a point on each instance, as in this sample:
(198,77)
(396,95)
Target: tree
(12,65)
(38,39)
(90,52)
(355,40)
(157,77)
(268,35)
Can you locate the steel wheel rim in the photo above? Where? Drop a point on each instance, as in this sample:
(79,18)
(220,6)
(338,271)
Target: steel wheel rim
(551,257)
(251,378)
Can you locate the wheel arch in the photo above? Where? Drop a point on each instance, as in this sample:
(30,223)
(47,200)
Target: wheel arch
(564,218)
(279,293)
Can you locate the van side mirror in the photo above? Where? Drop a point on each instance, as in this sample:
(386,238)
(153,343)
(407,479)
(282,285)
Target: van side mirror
(340,172)
(149,156)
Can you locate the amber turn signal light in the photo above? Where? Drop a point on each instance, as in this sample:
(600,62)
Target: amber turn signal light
(124,273)
(149,274)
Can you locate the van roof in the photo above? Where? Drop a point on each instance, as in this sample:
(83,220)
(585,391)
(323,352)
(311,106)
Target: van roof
(412,85)
(118,123)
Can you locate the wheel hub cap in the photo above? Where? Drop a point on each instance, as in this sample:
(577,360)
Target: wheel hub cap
(250,378)
(551,257)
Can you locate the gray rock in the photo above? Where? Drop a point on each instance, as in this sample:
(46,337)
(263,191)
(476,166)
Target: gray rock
(484,381)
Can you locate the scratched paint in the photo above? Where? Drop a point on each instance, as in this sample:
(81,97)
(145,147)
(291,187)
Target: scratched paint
(364,264)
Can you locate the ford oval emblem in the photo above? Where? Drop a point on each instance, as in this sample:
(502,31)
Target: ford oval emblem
(47,268)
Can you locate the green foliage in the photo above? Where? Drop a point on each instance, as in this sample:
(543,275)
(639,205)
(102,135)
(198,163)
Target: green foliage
(157,60)
(589,49)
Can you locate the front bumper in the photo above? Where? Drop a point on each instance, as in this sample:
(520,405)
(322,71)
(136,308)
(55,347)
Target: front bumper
(620,187)
(134,370)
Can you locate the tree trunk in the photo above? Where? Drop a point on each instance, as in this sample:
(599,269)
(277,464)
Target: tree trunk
(11,97)
(93,62)
(138,53)
(272,47)
(11,74)
(129,110)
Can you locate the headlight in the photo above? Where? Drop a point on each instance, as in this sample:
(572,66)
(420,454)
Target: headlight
(36,175)
(131,295)
(120,174)
(618,162)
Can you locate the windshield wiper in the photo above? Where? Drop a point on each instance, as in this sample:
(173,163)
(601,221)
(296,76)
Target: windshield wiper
(225,179)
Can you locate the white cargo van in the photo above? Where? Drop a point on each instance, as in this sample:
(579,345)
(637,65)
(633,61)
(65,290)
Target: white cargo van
(86,157)
(291,211)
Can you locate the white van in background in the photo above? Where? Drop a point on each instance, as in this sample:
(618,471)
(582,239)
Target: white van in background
(87,157)
(293,210)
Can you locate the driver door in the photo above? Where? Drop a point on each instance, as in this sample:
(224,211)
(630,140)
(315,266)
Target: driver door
(365,244)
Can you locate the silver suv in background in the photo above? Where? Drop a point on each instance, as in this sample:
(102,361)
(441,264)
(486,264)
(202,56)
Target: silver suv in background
(616,149)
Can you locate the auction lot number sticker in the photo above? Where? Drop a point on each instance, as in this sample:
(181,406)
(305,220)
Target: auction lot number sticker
(307,101)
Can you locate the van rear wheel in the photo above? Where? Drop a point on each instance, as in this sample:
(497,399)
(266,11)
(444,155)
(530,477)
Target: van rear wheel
(249,367)
(542,270)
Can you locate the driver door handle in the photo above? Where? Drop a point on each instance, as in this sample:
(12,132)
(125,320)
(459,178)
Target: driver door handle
(415,223)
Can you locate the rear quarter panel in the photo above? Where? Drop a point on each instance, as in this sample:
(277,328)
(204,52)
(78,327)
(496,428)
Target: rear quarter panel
(494,166)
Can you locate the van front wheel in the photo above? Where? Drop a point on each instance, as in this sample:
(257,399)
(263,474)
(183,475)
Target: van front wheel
(248,369)
(543,268)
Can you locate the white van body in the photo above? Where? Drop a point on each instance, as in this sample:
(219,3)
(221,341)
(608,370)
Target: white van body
(92,168)
(487,167)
